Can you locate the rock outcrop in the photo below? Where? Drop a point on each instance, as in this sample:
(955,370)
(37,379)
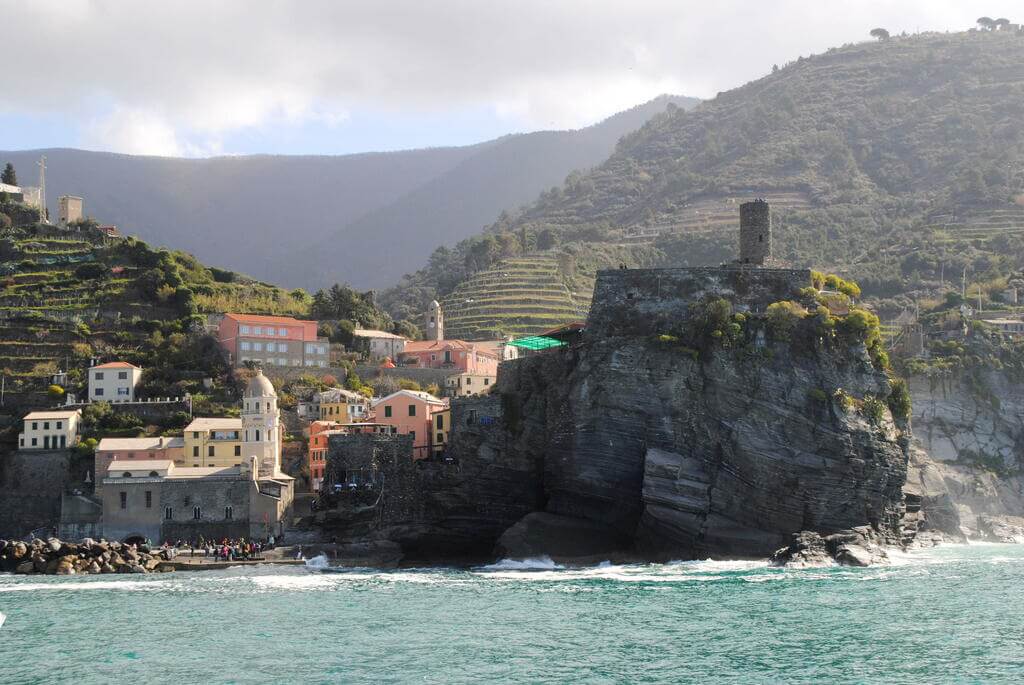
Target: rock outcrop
(674,452)
(56,557)
(857,547)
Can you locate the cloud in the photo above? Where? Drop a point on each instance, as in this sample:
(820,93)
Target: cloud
(176,78)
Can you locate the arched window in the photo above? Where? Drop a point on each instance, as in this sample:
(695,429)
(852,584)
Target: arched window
(197,513)
(126,474)
(154,474)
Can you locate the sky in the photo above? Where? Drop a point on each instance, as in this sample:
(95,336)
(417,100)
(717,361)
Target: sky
(203,78)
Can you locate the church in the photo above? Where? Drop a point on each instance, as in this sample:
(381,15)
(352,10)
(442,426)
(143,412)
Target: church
(159,500)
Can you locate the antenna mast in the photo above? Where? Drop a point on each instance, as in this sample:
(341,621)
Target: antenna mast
(42,190)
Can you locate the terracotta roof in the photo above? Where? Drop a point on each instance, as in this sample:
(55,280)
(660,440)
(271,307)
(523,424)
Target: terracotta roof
(427,345)
(260,318)
(131,444)
(115,365)
(372,333)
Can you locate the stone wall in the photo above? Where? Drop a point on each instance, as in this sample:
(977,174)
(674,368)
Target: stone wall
(31,485)
(638,302)
(213,496)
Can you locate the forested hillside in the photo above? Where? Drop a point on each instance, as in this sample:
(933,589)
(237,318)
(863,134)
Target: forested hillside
(302,220)
(898,162)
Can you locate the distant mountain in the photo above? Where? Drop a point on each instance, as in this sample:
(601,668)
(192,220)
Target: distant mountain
(310,220)
(899,163)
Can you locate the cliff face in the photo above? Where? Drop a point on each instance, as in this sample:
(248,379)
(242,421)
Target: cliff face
(727,454)
(631,442)
(969,449)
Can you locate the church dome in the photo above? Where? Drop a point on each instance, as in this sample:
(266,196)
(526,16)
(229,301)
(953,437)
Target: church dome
(260,386)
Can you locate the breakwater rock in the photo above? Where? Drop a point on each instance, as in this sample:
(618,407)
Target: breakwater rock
(56,557)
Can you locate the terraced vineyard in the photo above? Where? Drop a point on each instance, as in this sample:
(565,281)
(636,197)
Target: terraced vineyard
(979,224)
(520,296)
(716,214)
(67,297)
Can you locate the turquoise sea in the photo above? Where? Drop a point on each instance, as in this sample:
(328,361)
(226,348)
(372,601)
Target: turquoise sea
(952,614)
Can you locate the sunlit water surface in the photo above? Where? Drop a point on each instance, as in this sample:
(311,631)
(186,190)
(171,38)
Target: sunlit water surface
(953,614)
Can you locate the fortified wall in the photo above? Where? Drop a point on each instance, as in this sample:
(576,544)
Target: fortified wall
(649,301)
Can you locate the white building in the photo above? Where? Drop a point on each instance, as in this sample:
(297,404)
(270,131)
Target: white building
(114,382)
(381,343)
(50,430)
(466,384)
(261,426)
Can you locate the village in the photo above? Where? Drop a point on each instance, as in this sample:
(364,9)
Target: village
(261,471)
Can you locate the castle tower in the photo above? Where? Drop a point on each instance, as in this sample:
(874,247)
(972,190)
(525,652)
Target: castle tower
(755,232)
(69,209)
(261,426)
(433,325)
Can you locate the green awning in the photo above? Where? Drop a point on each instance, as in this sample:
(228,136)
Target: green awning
(536,342)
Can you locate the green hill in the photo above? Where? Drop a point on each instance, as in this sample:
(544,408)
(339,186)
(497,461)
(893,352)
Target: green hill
(70,296)
(899,163)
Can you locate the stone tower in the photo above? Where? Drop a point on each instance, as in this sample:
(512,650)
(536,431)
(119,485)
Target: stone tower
(261,426)
(755,232)
(433,324)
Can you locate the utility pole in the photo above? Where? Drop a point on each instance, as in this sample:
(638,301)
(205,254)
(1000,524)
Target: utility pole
(42,190)
(963,284)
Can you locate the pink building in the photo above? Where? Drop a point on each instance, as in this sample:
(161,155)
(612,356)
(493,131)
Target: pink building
(273,341)
(409,412)
(449,354)
(140,449)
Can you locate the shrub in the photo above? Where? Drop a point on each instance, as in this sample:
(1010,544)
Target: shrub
(87,447)
(873,408)
(817,395)
(91,270)
(222,275)
(409,384)
(783,318)
(843,399)
(329,380)
(55,393)
(899,399)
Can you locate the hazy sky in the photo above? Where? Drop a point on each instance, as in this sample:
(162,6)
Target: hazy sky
(208,77)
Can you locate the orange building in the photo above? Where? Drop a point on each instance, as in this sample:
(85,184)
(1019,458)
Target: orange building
(272,341)
(457,355)
(409,412)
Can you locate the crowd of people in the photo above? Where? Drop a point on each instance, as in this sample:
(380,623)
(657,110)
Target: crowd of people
(225,549)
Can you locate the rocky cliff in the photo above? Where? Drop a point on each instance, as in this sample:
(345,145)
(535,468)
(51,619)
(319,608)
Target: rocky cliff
(969,452)
(692,419)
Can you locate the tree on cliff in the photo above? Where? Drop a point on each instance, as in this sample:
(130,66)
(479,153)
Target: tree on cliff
(880,34)
(9,176)
(986,23)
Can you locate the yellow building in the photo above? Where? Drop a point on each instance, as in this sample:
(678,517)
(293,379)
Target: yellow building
(213,442)
(344,406)
(466,384)
(442,424)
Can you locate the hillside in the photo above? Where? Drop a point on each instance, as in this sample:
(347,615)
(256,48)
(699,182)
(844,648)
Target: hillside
(300,220)
(68,297)
(898,163)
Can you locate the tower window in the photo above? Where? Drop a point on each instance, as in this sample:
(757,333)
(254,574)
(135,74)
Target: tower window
(760,238)
(197,513)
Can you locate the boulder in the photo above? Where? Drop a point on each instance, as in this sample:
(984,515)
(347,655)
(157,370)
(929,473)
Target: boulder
(65,567)
(1001,528)
(855,547)
(25,567)
(54,544)
(152,563)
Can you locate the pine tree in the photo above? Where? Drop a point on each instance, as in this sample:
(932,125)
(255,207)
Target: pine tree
(8,176)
